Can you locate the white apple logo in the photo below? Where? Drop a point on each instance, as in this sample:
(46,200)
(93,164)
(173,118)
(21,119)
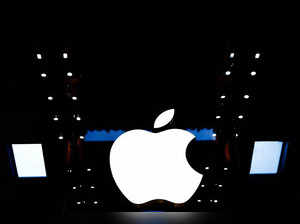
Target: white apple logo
(148,166)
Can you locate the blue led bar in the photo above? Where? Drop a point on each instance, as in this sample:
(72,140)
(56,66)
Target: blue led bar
(111,135)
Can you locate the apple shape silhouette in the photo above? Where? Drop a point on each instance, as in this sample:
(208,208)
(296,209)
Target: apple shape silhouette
(148,166)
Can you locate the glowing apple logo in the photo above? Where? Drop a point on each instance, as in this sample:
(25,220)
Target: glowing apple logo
(148,166)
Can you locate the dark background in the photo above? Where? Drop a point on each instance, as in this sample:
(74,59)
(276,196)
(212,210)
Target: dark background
(129,72)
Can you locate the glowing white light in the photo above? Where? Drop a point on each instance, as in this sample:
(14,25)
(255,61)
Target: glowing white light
(95,202)
(202,185)
(92,187)
(257,56)
(148,166)
(55,118)
(240,116)
(231,55)
(214,134)
(216,201)
(88,169)
(223,97)
(60,137)
(39,56)
(74,188)
(78,203)
(227,72)
(50,98)
(253,73)
(266,157)
(207,168)
(199,200)
(69,74)
(44,75)
(78,118)
(236,135)
(29,160)
(246,96)
(225,168)
(74,98)
(65,55)
(218,117)
(220,185)
(81,137)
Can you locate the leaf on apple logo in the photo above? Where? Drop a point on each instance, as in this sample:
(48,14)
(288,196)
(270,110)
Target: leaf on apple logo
(164,118)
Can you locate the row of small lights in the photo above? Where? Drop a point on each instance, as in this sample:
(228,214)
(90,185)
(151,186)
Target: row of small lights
(218,117)
(80,186)
(83,202)
(215,201)
(218,185)
(69,170)
(64,55)
(252,73)
(51,98)
(44,75)
(257,56)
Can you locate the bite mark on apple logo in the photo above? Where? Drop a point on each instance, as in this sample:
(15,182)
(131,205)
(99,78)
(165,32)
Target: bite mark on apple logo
(148,166)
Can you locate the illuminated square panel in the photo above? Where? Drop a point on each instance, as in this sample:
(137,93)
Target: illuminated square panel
(29,160)
(266,157)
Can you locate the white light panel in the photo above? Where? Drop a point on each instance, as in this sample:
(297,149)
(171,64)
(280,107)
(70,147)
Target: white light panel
(266,157)
(29,160)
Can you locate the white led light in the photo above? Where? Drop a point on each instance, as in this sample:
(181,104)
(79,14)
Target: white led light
(240,116)
(29,160)
(81,137)
(214,134)
(74,98)
(74,188)
(55,118)
(88,169)
(225,168)
(216,201)
(207,168)
(223,97)
(220,185)
(236,135)
(253,73)
(50,98)
(257,56)
(65,55)
(78,203)
(69,74)
(95,202)
(246,96)
(60,137)
(227,72)
(218,117)
(199,200)
(78,118)
(39,56)
(92,187)
(202,185)
(44,75)
(231,55)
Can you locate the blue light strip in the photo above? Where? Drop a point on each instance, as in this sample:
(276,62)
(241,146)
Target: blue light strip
(283,158)
(111,135)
